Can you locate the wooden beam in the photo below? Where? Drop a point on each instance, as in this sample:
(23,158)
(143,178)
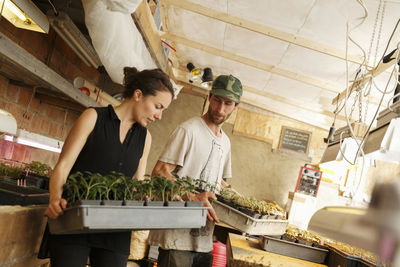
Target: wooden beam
(253,63)
(265,30)
(19,58)
(147,27)
(369,75)
(251,99)
(180,74)
(59,102)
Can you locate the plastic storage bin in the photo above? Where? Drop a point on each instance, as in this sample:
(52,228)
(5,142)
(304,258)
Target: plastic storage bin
(292,249)
(247,224)
(103,218)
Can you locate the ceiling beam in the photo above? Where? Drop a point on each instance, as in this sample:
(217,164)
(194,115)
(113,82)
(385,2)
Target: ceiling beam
(295,112)
(19,58)
(59,102)
(381,67)
(181,75)
(253,63)
(145,23)
(265,30)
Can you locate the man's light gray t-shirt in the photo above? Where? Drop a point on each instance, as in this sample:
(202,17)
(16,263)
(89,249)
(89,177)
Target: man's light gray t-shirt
(198,153)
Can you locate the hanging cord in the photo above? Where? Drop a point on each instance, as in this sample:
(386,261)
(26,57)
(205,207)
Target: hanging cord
(54,8)
(27,107)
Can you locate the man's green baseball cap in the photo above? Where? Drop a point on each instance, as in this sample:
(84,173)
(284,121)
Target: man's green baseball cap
(227,86)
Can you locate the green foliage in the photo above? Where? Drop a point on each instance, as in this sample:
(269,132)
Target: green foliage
(10,171)
(260,206)
(39,168)
(116,186)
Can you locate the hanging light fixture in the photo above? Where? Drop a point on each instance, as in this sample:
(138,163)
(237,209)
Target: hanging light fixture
(195,74)
(39,141)
(8,124)
(207,78)
(24,14)
(68,31)
(341,145)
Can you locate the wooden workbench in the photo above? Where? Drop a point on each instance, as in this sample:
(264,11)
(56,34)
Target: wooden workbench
(244,251)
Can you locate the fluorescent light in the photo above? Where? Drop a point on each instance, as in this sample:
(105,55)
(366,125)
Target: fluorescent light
(15,10)
(8,137)
(25,14)
(38,141)
(68,31)
(383,143)
(23,141)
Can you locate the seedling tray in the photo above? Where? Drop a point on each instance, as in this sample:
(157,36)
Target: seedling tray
(338,258)
(292,249)
(247,224)
(11,194)
(102,218)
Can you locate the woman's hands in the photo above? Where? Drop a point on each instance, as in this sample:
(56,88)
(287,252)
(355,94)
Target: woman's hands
(204,197)
(56,208)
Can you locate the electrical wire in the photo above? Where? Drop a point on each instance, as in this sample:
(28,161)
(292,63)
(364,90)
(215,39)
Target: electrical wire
(54,8)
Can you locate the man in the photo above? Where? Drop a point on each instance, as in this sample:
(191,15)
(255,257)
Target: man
(200,149)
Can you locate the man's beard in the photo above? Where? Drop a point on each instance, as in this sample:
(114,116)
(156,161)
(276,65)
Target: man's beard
(218,121)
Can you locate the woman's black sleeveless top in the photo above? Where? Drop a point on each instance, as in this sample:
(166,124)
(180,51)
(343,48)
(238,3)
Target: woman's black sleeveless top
(104,153)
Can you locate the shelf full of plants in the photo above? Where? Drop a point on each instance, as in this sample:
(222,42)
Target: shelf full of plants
(98,203)
(24,184)
(249,215)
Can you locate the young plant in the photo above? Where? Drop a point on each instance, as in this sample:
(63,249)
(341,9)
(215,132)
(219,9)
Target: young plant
(160,184)
(91,185)
(173,191)
(147,187)
(190,186)
(111,184)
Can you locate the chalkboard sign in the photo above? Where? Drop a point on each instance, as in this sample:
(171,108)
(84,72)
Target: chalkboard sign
(294,140)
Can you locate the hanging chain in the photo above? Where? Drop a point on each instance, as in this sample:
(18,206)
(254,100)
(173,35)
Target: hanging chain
(366,109)
(354,104)
(360,106)
(380,31)
(373,33)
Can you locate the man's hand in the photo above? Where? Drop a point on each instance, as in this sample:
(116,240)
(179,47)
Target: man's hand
(204,197)
(56,208)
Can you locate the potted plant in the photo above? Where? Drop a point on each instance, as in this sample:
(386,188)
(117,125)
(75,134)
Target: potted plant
(112,192)
(190,186)
(173,194)
(132,195)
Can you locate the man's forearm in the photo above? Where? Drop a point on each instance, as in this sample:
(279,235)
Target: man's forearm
(164,169)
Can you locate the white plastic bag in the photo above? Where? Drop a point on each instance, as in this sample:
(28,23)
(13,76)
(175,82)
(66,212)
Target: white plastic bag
(115,37)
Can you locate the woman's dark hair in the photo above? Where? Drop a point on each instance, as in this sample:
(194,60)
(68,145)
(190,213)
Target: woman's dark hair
(148,81)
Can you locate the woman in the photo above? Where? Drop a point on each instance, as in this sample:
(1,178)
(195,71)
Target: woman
(103,140)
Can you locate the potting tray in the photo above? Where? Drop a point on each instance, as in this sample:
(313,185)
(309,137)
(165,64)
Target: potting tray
(247,224)
(11,194)
(292,249)
(338,258)
(103,218)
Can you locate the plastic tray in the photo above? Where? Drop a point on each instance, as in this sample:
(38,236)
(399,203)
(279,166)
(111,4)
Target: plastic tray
(100,218)
(11,194)
(338,258)
(247,224)
(292,249)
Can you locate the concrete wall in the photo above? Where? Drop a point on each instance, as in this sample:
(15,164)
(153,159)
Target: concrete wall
(256,170)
